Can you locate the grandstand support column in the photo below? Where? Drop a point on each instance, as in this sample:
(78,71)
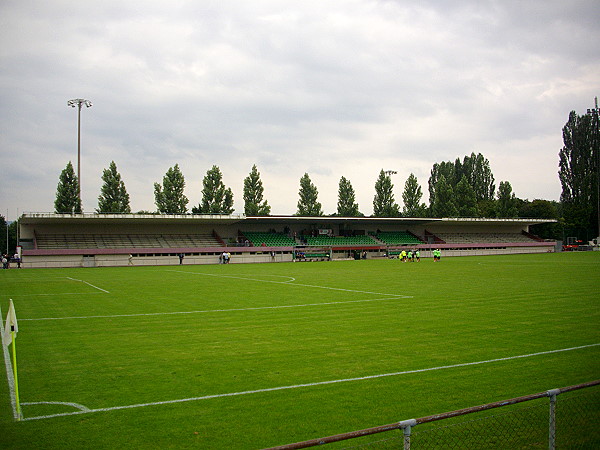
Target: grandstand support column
(78,102)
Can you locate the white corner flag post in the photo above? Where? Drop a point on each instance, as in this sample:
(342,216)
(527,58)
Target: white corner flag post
(10,333)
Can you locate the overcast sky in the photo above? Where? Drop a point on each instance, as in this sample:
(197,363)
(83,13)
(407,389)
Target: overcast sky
(332,88)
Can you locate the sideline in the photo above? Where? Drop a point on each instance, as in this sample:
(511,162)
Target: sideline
(297,386)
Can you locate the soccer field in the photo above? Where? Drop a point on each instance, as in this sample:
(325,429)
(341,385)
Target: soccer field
(256,355)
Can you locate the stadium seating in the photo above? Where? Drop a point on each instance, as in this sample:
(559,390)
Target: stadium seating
(329,241)
(258,238)
(398,238)
(89,241)
(478,238)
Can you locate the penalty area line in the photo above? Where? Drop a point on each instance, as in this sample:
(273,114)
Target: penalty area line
(291,283)
(255,308)
(89,284)
(318,383)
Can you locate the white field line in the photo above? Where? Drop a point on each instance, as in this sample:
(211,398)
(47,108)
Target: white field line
(318,383)
(257,308)
(62,293)
(74,405)
(291,284)
(89,284)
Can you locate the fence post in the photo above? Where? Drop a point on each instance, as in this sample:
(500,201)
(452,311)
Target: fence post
(552,393)
(406,426)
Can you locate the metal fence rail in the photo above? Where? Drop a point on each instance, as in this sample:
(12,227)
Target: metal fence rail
(575,424)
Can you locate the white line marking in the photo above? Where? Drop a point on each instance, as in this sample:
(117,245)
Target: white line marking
(319,383)
(291,284)
(257,308)
(62,293)
(74,405)
(89,284)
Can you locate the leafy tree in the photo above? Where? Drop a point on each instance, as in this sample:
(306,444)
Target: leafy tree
(543,209)
(487,208)
(479,175)
(253,195)
(113,195)
(169,197)
(578,174)
(443,205)
(507,202)
(67,192)
(384,204)
(476,168)
(347,206)
(465,199)
(411,198)
(3,225)
(216,198)
(308,204)
(446,169)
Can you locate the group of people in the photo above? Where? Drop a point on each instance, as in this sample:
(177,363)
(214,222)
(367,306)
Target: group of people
(6,259)
(410,256)
(224,258)
(437,254)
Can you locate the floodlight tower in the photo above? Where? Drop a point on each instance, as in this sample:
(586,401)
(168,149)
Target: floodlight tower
(594,112)
(390,172)
(78,103)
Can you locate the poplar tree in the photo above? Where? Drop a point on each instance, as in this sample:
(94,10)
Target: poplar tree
(113,195)
(67,192)
(384,204)
(254,205)
(578,162)
(216,198)
(347,206)
(465,199)
(308,204)
(169,197)
(443,205)
(411,198)
(507,202)
(475,167)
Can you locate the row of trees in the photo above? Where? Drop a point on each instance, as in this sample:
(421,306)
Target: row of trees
(448,197)
(460,188)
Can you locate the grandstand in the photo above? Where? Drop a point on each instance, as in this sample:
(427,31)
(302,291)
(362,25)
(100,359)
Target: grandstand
(93,240)
(398,238)
(473,238)
(135,241)
(342,241)
(268,239)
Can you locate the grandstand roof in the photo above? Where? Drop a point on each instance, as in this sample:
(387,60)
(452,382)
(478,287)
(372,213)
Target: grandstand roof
(43,218)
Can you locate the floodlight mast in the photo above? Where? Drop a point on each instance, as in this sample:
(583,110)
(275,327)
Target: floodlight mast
(78,103)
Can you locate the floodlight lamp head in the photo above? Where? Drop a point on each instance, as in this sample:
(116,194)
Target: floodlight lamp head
(79,102)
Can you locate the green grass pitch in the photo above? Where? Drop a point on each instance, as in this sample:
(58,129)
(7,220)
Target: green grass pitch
(256,355)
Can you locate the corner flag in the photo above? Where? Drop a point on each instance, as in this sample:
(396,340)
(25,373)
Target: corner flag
(11,327)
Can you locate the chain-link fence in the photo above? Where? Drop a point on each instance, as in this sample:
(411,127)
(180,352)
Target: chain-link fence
(561,418)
